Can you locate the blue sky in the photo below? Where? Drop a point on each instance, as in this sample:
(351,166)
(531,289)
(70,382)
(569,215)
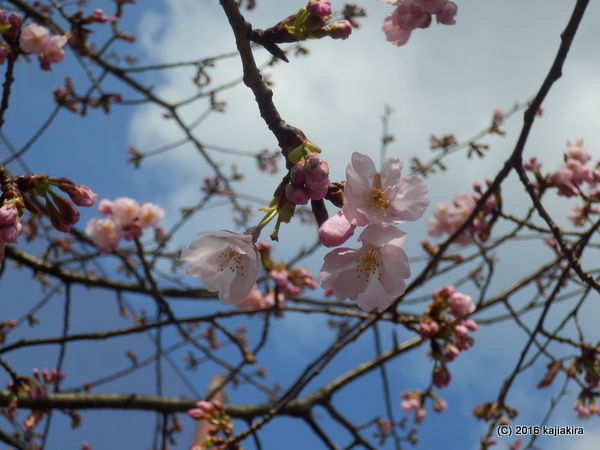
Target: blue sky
(446,79)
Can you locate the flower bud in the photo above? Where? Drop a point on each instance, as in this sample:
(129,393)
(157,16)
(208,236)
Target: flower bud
(296,194)
(336,230)
(340,29)
(319,8)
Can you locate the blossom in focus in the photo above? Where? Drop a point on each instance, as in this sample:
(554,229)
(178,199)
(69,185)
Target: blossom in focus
(228,263)
(33,38)
(372,275)
(382,198)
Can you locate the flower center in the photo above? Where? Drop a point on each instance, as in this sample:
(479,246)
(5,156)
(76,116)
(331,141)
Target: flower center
(377,199)
(369,264)
(232,260)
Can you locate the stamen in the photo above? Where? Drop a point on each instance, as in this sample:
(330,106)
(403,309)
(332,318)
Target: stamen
(232,260)
(369,264)
(377,198)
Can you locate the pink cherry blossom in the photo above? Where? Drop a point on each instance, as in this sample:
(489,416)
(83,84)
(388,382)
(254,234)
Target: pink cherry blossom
(228,263)
(33,38)
(105,206)
(204,410)
(150,214)
(372,275)
(106,233)
(460,304)
(576,151)
(256,299)
(441,376)
(125,211)
(52,51)
(394,33)
(384,197)
(336,230)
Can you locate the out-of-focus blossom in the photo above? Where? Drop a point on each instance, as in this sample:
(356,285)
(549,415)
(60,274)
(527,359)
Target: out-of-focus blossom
(106,233)
(460,304)
(33,38)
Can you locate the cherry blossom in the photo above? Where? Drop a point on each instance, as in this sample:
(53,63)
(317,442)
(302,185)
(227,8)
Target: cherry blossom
(384,197)
(372,275)
(412,14)
(228,263)
(106,233)
(33,38)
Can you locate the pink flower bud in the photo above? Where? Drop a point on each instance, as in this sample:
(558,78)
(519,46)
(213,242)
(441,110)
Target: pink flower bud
(340,29)
(296,194)
(460,304)
(428,329)
(8,214)
(16,20)
(5,52)
(441,376)
(470,324)
(336,230)
(10,233)
(297,174)
(445,15)
(440,404)
(81,195)
(319,8)
(98,16)
(65,216)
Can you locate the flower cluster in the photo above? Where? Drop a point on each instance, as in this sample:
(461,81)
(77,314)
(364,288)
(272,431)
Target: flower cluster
(35,388)
(444,324)
(575,177)
(447,218)
(220,422)
(311,22)
(37,40)
(26,192)
(309,179)
(416,400)
(374,274)
(412,14)
(126,218)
